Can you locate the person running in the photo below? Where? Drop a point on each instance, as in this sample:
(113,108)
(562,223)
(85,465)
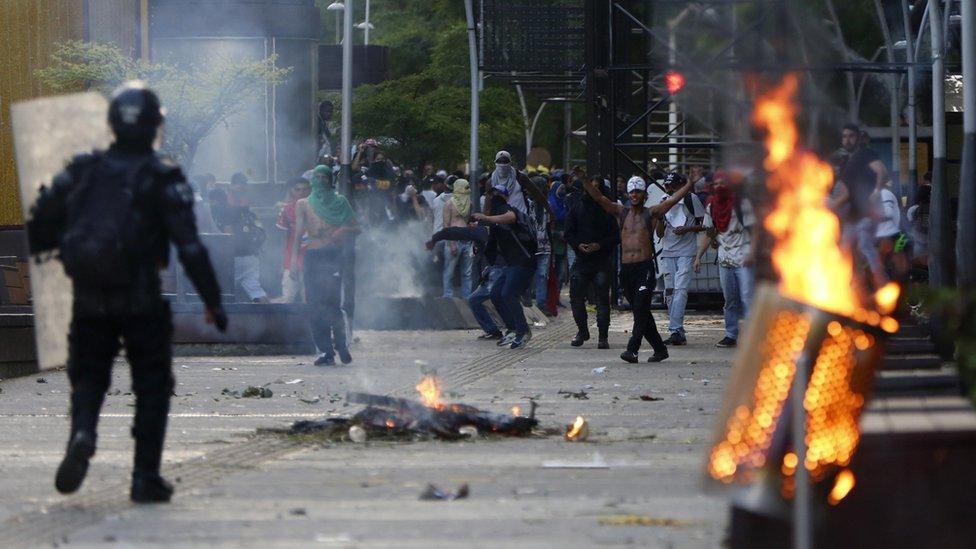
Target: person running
(637,259)
(594,235)
(326,217)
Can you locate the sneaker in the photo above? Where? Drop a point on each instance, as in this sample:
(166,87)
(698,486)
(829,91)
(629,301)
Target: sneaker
(603,344)
(344,355)
(150,488)
(74,466)
(628,356)
(520,341)
(658,357)
(325,360)
(490,335)
(726,342)
(676,339)
(579,339)
(507,340)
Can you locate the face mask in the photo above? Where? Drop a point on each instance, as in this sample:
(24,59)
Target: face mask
(497,205)
(505,170)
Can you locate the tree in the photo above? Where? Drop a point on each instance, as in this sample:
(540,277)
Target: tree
(198,96)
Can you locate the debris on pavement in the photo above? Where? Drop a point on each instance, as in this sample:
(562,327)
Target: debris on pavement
(228,368)
(469,431)
(641,520)
(298,512)
(650,398)
(250,392)
(600,370)
(313,400)
(433,493)
(293,381)
(41,380)
(578,395)
(357,434)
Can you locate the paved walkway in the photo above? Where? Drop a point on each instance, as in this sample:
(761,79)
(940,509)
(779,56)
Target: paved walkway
(235,487)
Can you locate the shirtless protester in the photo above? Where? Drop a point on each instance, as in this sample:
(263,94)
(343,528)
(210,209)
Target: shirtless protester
(637,259)
(326,217)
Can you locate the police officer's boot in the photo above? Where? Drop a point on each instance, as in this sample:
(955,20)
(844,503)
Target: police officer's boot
(85,405)
(150,432)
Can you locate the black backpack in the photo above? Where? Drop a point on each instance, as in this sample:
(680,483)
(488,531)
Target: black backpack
(96,248)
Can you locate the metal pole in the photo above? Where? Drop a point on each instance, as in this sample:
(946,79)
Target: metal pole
(567,135)
(893,101)
(366,33)
(338,22)
(965,251)
(473,170)
(911,111)
(939,229)
(802,528)
(346,153)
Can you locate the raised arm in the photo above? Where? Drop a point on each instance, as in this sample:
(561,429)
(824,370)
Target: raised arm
(506,218)
(604,202)
(663,207)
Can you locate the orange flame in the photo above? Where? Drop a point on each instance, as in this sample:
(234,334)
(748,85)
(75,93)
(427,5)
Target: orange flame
(675,81)
(430,392)
(843,485)
(516,411)
(577,428)
(812,265)
(390,423)
(887,297)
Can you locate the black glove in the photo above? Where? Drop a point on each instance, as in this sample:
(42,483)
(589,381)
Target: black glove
(219,318)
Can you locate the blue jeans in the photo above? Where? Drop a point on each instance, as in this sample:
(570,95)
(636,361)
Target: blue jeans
(737,291)
(541,280)
(477,301)
(677,276)
(462,253)
(505,297)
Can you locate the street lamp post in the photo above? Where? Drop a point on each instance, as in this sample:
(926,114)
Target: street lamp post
(939,223)
(346,154)
(911,114)
(473,171)
(338,8)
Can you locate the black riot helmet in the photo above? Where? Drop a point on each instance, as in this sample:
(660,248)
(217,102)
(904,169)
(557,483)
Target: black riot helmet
(135,113)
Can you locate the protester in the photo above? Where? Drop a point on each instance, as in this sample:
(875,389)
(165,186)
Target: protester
(891,241)
(238,191)
(730,221)
(515,241)
(863,174)
(326,217)
(679,241)
(539,216)
(637,259)
(560,211)
(113,257)
(456,212)
(918,219)
(594,234)
(291,291)
(240,222)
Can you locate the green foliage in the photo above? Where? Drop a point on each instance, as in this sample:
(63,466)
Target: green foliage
(197,96)
(955,313)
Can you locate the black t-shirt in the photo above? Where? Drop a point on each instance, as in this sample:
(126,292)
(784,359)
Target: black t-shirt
(511,248)
(860,180)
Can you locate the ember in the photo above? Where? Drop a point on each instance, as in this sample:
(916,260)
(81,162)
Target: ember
(578,430)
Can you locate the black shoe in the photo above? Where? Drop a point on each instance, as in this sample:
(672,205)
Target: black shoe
(603,344)
(74,466)
(325,360)
(507,339)
(628,356)
(676,339)
(726,342)
(491,335)
(149,488)
(520,341)
(344,355)
(580,338)
(658,357)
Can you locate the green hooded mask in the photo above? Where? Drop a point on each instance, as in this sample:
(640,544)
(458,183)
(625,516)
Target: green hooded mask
(333,208)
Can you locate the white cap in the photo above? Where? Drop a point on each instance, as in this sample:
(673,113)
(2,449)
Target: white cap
(503,156)
(636,184)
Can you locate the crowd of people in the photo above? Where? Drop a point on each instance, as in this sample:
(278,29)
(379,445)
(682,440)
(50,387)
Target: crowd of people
(537,230)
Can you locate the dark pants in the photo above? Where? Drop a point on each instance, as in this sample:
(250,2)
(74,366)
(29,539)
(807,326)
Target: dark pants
(93,344)
(323,292)
(637,283)
(584,276)
(505,296)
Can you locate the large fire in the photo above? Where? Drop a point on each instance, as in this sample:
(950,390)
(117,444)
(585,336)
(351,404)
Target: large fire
(430,392)
(812,265)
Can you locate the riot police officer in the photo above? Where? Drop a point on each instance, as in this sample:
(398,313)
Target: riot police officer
(111,216)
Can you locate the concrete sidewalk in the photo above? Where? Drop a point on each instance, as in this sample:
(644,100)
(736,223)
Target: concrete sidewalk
(236,488)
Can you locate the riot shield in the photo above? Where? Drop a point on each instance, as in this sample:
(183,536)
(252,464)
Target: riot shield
(47,133)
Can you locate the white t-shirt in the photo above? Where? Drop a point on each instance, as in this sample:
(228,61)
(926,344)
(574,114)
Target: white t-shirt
(888,226)
(437,208)
(735,242)
(673,245)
